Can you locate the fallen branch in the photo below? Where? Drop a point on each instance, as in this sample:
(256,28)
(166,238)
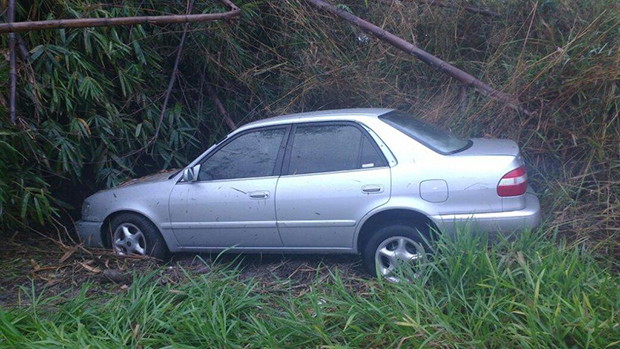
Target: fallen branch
(109,22)
(220,108)
(422,55)
(23,49)
(173,77)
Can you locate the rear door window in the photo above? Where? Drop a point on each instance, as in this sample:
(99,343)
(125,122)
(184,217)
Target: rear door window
(332,147)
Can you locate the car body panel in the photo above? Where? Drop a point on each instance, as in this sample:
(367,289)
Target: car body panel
(470,176)
(149,198)
(324,209)
(225,213)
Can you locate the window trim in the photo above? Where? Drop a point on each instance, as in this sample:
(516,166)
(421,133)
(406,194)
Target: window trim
(289,147)
(277,167)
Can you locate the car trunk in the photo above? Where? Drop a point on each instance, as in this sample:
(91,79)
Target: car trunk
(484,146)
(481,167)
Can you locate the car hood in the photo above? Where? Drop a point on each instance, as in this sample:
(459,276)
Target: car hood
(157,177)
(485,146)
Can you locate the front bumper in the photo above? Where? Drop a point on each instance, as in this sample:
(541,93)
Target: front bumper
(493,222)
(89,233)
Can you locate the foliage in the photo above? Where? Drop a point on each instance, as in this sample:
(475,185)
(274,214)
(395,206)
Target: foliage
(529,293)
(99,91)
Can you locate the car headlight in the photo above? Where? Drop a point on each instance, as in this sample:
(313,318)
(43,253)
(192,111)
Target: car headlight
(85,209)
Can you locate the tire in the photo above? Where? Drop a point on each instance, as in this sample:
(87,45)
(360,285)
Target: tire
(143,239)
(394,233)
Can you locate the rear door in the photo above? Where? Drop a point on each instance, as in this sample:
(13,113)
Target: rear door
(333,174)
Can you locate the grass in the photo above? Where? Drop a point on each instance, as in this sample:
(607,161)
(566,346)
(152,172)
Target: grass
(530,292)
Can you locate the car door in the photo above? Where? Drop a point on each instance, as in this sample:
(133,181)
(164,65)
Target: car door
(333,174)
(232,201)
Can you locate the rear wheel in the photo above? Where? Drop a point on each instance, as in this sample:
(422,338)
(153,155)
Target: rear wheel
(392,247)
(133,234)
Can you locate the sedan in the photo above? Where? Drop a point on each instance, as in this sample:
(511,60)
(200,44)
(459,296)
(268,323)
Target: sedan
(377,182)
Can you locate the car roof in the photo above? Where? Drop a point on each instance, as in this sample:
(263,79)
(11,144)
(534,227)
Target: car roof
(322,115)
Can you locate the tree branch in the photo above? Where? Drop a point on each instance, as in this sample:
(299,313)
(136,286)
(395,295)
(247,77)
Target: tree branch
(109,22)
(173,77)
(422,55)
(220,108)
(23,49)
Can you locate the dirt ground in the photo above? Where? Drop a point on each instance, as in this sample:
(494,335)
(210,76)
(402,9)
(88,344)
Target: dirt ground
(44,266)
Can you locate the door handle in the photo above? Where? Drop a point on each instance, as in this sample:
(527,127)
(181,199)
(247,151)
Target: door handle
(372,188)
(259,194)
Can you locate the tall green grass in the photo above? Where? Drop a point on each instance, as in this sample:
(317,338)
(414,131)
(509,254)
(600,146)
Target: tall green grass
(525,293)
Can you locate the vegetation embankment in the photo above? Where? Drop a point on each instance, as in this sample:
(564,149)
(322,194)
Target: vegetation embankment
(529,293)
(89,104)
(89,99)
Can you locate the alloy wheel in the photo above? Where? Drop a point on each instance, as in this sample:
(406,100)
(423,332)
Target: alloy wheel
(395,252)
(129,239)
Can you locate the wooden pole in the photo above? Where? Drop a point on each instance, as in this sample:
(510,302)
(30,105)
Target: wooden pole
(109,22)
(12,58)
(422,55)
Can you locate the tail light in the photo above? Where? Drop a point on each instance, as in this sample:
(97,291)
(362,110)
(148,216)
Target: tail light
(513,183)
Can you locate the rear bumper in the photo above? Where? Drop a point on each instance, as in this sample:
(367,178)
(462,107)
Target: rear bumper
(493,222)
(89,233)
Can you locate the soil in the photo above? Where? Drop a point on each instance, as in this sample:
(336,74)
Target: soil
(41,266)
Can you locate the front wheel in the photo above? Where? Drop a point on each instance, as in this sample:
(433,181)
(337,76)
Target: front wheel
(392,247)
(133,234)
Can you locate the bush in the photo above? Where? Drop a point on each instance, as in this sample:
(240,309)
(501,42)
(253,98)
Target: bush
(89,100)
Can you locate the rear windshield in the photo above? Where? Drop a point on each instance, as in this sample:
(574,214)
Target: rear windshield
(441,141)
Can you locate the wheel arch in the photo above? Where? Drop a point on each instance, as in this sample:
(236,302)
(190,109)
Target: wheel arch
(381,218)
(106,229)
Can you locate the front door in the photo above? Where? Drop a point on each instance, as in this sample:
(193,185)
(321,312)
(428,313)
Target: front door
(333,175)
(232,202)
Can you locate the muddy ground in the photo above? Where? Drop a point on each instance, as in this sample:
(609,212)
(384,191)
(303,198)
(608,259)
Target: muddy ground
(39,265)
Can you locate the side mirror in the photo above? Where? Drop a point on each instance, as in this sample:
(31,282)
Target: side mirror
(189,175)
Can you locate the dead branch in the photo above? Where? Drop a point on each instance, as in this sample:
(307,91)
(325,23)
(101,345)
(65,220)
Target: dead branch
(109,22)
(12,59)
(23,49)
(220,107)
(422,55)
(173,76)
(471,9)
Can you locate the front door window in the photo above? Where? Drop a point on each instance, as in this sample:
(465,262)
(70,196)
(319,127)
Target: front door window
(250,155)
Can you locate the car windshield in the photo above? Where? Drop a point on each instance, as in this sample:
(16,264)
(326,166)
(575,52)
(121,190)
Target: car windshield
(441,141)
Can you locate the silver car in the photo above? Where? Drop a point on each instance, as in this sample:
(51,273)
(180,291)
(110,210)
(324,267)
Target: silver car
(372,181)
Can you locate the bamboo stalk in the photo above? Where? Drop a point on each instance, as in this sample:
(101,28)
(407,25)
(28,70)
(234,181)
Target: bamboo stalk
(12,59)
(109,22)
(422,55)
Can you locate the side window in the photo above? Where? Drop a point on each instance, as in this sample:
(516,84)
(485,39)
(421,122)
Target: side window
(369,156)
(326,148)
(253,154)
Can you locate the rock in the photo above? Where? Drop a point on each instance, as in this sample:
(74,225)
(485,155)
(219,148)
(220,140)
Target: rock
(115,276)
